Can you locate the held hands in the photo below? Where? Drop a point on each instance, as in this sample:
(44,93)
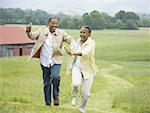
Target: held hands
(28,28)
(68,50)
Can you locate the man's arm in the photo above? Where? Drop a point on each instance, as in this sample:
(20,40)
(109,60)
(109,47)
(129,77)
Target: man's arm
(68,39)
(30,34)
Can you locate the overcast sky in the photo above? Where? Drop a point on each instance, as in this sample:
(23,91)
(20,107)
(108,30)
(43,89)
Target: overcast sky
(80,6)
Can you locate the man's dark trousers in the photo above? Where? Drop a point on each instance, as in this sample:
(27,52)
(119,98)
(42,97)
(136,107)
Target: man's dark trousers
(51,80)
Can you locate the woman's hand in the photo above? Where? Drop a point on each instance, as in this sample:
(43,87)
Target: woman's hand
(68,50)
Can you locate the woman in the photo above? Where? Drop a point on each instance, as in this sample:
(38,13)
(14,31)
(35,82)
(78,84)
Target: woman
(83,66)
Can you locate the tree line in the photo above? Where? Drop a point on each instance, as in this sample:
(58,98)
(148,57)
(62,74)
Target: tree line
(94,19)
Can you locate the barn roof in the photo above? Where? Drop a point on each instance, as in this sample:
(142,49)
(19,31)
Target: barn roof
(13,35)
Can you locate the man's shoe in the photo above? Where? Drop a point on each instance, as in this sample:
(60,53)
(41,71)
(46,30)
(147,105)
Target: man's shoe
(74,101)
(56,101)
(48,104)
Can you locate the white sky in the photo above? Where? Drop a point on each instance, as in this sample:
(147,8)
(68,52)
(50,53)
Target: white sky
(80,6)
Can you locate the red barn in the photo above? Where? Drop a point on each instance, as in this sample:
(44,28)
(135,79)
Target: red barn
(14,41)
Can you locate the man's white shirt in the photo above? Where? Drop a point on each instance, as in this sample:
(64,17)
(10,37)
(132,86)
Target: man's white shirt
(47,52)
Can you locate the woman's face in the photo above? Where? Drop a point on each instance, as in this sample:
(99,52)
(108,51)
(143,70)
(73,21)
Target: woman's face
(84,34)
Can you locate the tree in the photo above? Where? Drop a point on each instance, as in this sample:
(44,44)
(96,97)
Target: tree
(120,24)
(94,19)
(28,16)
(65,22)
(77,22)
(86,19)
(2,16)
(131,16)
(110,22)
(124,16)
(131,25)
(97,20)
(128,20)
(120,15)
(144,22)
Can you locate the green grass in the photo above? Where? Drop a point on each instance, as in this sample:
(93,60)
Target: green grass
(120,86)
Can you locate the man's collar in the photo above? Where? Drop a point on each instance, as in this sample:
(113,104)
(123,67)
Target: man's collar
(54,33)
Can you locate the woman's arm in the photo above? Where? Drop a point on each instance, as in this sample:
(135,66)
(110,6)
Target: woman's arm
(68,50)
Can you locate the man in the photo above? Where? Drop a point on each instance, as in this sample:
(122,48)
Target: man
(83,66)
(48,48)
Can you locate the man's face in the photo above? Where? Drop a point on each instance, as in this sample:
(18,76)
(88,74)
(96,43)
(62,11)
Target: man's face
(84,34)
(52,25)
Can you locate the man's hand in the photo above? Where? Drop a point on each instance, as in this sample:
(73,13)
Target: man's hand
(28,28)
(68,50)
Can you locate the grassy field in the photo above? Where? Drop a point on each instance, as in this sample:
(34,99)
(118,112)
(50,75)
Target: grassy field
(122,84)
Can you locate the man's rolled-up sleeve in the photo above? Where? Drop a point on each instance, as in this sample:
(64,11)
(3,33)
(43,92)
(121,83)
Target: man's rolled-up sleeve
(68,39)
(34,35)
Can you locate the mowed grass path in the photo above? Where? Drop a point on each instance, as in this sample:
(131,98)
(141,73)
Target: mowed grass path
(120,86)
